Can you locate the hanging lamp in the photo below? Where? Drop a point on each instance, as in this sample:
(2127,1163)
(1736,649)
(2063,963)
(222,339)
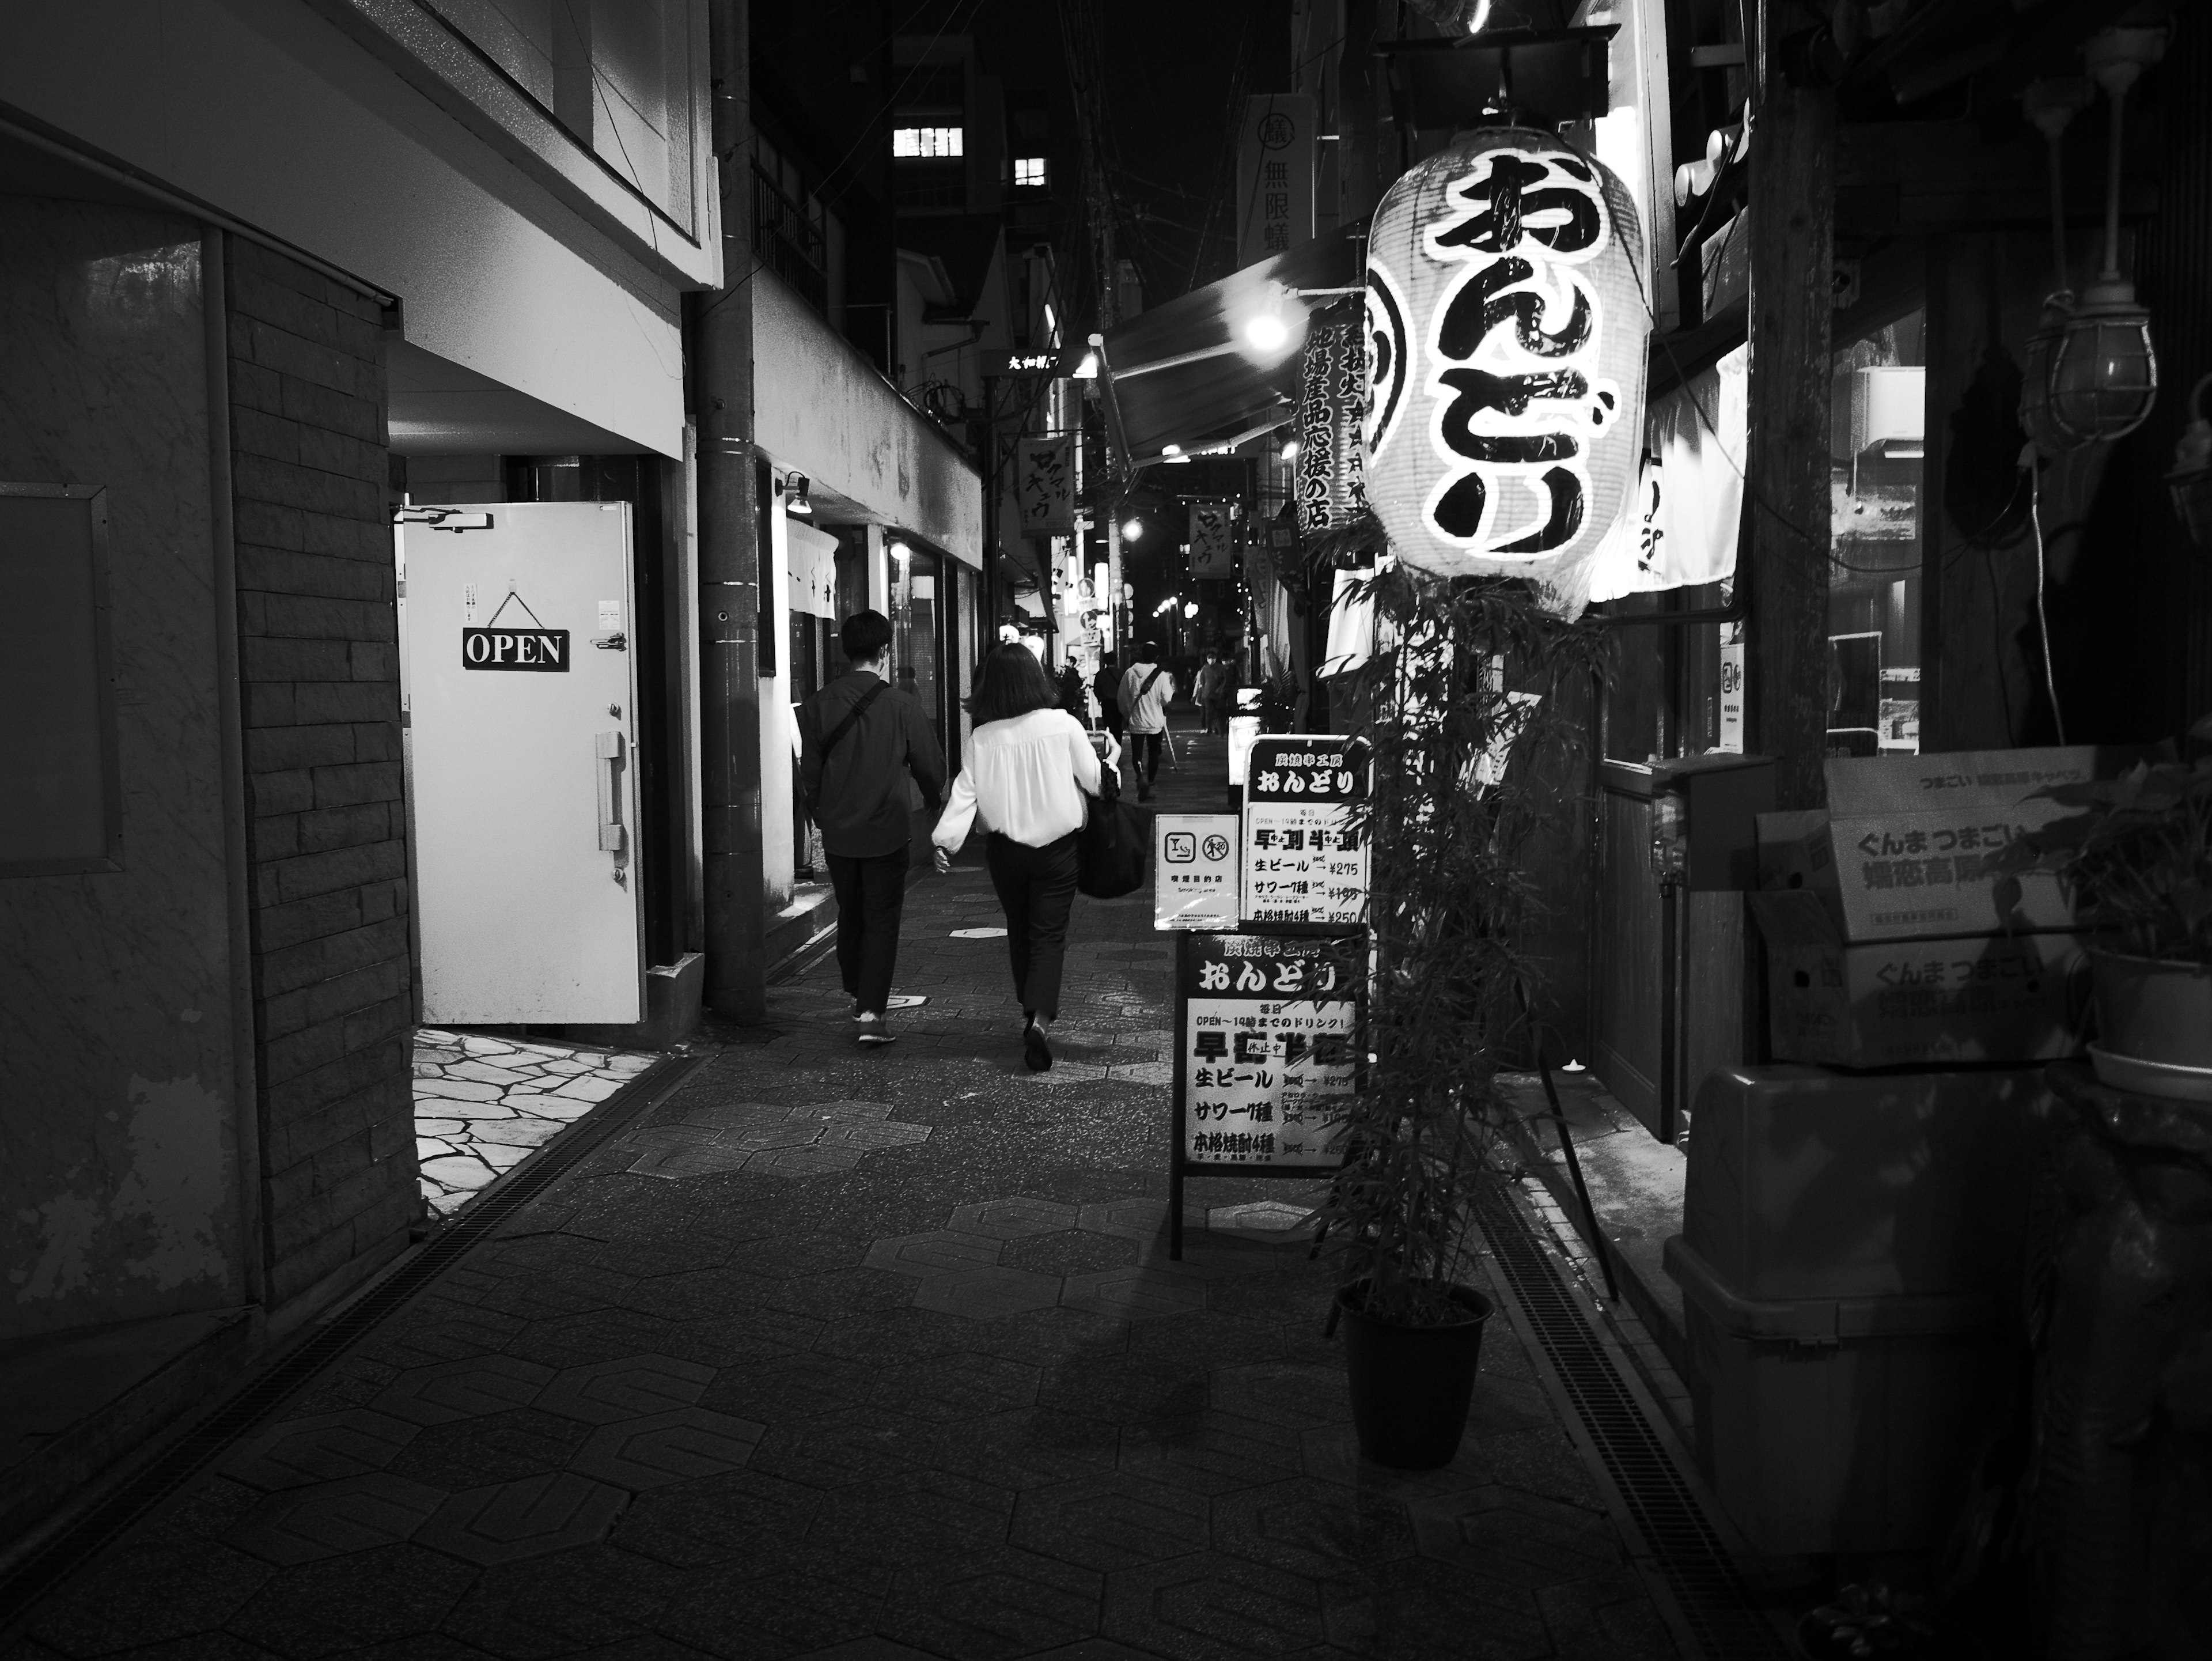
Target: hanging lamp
(2050,104)
(2104,370)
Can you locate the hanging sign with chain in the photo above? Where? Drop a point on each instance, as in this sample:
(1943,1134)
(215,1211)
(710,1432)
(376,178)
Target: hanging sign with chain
(535,650)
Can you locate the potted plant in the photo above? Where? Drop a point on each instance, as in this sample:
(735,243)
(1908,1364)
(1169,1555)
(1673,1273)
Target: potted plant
(1871,1622)
(2137,858)
(1465,728)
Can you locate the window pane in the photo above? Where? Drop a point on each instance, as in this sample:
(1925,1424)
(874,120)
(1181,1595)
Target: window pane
(1877,442)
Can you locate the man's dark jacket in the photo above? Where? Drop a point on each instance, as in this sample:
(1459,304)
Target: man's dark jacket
(857,793)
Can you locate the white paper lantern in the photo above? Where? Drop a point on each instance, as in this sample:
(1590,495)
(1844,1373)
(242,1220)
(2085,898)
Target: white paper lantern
(1506,331)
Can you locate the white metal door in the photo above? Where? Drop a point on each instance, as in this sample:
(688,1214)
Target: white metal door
(521,709)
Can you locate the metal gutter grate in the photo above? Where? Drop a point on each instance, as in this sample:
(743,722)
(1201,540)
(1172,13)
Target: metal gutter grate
(41,1571)
(1675,1541)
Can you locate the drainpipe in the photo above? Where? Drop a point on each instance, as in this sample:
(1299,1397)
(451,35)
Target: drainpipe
(730,607)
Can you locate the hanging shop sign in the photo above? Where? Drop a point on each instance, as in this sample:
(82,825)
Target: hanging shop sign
(1304,861)
(1269,1043)
(1194,871)
(534,650)
(1274,176)
(1332,377)
(1506,329)
(1212,541)
(1686,514)
(1044,485)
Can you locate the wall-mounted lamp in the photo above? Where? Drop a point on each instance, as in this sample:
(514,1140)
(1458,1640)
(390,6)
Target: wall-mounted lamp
(795,495)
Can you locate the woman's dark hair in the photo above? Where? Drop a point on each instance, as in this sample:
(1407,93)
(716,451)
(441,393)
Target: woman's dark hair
(1013,683)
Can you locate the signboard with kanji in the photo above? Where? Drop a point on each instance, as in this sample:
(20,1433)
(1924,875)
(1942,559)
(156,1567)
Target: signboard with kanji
(1274,176)
(1194,871)
(1268,1035)
(1304,860)
(1212,546)
(1044,486)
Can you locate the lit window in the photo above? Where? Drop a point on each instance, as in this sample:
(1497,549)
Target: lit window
(1030,171)
(927,142)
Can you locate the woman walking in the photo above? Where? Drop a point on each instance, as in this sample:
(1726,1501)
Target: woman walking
(1029,768)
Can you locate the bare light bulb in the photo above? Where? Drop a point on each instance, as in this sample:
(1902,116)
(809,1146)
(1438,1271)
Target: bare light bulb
(1132,530)
(1265,332)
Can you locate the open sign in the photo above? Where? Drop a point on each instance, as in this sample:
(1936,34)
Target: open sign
(541,651)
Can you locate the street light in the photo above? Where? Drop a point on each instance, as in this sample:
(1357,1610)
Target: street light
(1132,530)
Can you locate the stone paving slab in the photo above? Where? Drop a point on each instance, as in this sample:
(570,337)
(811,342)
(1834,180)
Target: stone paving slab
(856,1356)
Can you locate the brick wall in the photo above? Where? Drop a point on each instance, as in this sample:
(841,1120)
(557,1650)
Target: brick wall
(319,660)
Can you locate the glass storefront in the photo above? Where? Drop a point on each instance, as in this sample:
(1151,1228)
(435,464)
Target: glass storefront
(917,632)
(1877,442)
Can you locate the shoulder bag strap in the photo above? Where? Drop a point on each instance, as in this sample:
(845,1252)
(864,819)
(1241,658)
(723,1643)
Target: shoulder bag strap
(851,715)
(1157,670)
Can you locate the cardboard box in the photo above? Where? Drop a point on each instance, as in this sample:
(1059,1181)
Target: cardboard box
(1903,850)
(1987,998)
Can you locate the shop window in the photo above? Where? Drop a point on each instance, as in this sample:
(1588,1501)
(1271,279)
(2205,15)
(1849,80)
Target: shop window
(915,633)
(1877,443)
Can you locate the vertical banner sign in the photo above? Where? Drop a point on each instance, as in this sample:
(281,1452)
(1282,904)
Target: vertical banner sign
(1268,1036)
(1732,700)
(1506,329)
(1212,548)
(1194,871)
(1274,176)
(1303,860)
(1044,486)
(1331,384)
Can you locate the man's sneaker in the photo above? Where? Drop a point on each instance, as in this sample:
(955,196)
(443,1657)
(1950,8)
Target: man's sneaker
(874,1029)
(1037,1049)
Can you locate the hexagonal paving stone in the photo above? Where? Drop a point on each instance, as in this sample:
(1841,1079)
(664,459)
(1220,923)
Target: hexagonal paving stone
(627,1388)
(936,1252)
(1311,1527)
(1520,1539)
(1111,1521)
(667,1447)
(867,1135)
(509,1521)
(1332,1455)
(1145,1292)
(1212,1606)
(673,1159)
(805,1161)
(1013,1219)
(1137,1219)
(300,1525)
(1283,1393)
(1274,1217)
(843,1111)
(985,1294)
(461,1390)
(326,1448)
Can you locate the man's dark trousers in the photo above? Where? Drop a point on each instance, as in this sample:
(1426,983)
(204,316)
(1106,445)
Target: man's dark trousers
(871,895)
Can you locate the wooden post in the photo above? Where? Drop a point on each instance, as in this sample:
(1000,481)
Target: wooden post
(1792,221)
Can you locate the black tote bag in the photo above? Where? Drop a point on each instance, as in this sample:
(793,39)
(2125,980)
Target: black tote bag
(1109,849)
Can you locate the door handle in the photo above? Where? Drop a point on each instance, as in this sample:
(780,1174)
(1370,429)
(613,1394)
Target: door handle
(613,838)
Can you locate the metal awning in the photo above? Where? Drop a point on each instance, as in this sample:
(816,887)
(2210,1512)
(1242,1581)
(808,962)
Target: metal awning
(1187,377)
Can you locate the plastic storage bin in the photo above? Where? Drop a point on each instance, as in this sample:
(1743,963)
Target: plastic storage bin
(1837,1424)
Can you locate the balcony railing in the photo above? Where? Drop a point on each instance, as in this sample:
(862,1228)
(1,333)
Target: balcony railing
(790,243)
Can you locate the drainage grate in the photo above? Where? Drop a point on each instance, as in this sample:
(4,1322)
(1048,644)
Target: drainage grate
(41,1571)
(1713,1607)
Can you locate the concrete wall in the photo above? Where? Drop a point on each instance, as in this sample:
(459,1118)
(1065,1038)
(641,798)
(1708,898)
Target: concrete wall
(120,1186)
(823,409)
(272,115)
(333,998)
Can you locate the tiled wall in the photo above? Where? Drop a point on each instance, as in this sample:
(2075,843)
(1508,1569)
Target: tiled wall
(319,660)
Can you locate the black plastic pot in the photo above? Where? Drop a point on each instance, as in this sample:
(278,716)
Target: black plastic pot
(1410,1385)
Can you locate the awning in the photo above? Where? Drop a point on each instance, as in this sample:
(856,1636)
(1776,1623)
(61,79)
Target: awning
(1190,375)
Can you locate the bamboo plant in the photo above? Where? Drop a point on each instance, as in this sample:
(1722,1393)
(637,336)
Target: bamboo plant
(1469,711)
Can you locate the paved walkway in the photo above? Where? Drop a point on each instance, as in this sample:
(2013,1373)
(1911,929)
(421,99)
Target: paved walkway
(875,1356)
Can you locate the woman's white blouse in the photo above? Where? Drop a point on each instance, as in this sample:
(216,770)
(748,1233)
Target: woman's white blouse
(1026,776)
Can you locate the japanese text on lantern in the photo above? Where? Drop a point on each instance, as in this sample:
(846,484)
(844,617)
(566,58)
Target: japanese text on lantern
(1269,1038)
(1511,352)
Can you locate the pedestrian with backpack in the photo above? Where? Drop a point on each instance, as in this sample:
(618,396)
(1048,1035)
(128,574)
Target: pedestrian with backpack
(857,749)
(1028,776)
(1146,689)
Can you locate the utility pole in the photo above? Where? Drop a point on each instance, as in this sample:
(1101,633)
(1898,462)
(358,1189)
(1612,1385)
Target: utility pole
(729,555)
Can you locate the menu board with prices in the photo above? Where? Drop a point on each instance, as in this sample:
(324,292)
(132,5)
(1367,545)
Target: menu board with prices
(1269,1032)
(1304,858)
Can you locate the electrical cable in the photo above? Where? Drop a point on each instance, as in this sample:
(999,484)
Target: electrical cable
(2042,617)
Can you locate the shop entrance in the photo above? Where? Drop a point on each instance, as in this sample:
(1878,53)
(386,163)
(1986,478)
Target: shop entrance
(520,691)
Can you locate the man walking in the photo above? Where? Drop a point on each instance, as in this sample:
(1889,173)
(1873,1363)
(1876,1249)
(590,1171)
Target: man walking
(1146,689)
(1107,687)
(856,747)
